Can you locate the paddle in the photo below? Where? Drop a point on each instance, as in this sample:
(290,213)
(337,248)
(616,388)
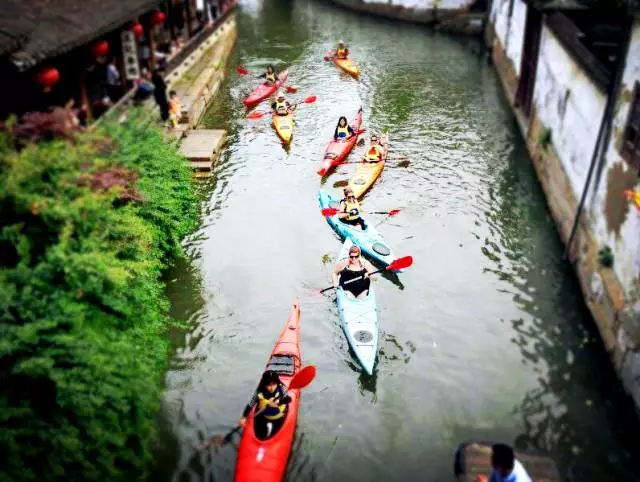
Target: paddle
(259,115)
(333,211)
(300,380)
(398,264)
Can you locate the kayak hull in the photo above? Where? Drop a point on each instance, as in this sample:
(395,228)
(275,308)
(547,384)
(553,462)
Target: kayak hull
(368,172)
(370,241)
(265,90)
(359,321)
(266,460)
(348,66)
(337,151)
(283,124)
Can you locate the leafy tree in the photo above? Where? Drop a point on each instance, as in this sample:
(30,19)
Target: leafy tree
(87,222)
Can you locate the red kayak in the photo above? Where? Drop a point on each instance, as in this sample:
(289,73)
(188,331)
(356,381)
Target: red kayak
(337,151)
(266,460)
(265,90)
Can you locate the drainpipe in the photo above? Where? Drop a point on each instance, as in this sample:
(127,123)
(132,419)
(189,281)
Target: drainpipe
(604,132)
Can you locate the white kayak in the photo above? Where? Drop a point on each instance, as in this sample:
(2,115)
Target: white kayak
(359,320)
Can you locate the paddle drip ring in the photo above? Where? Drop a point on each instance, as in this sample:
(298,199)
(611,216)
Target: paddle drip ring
(381,249)
(363,336)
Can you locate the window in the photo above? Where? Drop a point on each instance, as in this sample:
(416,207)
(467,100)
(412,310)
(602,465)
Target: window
(631,140)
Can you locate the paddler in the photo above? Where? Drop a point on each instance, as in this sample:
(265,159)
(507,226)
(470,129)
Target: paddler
(505,467)
(270,401)
(270,75)
(352,274)
(350,210)
(342,52)
(374,152)
(281,106)
(343,130)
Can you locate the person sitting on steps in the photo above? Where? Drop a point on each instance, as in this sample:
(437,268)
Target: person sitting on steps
(271,402)
(352,274)
(350,210)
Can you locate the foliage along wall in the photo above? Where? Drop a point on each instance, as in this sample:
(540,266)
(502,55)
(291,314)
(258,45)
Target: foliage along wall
(87,223)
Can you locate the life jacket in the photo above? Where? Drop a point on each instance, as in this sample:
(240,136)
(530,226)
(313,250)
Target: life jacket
(271,77)
(352,209)
(343,132)
(374,153)
(269,412)
(281,107)
(341,53)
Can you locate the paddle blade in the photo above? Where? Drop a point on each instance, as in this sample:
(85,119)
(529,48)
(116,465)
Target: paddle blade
(255,115)
(303,378)
(241,70)
(291,89)
(400,263)
(393,212)
(310,100)
(329,212)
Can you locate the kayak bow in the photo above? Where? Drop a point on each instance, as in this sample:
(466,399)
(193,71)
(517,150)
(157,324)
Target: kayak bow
(283,124)
(337,151)
(265,90)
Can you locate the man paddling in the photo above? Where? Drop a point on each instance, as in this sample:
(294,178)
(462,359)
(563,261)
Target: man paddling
(281,106)
(374,152)
(342,52)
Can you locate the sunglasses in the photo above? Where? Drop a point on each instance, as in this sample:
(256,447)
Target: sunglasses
(354,256)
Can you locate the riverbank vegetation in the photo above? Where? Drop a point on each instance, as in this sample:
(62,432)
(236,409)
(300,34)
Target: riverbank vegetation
(88,220)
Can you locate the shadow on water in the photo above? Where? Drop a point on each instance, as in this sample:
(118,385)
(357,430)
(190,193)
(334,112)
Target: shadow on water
(575,376)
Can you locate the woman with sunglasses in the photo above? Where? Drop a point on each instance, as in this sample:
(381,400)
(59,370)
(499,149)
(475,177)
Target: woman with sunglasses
(352,274)
(350,210)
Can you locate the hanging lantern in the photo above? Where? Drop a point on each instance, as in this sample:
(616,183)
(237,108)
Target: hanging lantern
(48,77)
(137,29)
(158,18)
(100,49)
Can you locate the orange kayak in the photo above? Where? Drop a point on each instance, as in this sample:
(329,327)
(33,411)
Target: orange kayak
(266,460)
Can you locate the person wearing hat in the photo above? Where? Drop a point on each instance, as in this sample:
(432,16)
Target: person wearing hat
(270,401)
(350,210)
(352,274)
(281,106)
(342,52)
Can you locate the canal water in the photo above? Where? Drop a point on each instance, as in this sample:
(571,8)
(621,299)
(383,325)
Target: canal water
(485,337)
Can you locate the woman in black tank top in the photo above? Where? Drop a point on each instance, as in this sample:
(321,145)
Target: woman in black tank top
(353,274)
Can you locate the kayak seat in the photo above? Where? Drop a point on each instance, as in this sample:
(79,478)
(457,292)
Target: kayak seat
(330,155)
(281,364)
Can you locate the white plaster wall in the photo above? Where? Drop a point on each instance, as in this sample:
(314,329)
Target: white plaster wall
(568,103)
(510,30)
(426,4)
(626,247)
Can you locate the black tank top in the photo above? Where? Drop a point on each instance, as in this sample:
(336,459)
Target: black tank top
(346,275)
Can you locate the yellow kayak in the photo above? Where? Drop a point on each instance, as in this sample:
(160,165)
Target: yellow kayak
(367,172)
(283,124)
(348,66)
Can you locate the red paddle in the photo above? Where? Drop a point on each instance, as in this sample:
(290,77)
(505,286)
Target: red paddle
(333,211)
(259,115)
(242,70)
(291,89)
(398,264)
(300,380)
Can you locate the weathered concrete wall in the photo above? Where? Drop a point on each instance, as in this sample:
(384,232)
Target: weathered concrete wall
(509,29)
(615,308)
(570,105)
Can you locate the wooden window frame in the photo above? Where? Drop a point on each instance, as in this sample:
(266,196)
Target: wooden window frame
(631,153)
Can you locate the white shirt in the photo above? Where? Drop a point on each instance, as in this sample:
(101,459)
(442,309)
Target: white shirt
(518,474)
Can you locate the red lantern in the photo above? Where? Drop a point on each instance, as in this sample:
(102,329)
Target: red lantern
(48,77)
(137,29)
(158,18)
(101,49)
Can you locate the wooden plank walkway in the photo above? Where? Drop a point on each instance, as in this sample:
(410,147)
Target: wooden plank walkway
(202,147)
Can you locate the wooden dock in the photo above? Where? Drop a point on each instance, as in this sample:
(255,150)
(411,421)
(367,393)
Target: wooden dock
(474,459)
(202,148)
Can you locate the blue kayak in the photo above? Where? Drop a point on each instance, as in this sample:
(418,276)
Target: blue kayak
(359,320)
(370,241)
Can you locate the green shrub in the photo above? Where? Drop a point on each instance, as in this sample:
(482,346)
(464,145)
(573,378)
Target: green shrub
(87,223)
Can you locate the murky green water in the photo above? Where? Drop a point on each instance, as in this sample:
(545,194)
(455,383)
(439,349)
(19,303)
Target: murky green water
(485,337)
